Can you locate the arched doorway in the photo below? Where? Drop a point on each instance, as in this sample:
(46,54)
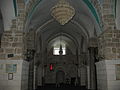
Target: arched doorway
(60,77)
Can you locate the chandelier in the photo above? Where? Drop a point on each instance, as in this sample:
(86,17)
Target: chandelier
(63,12)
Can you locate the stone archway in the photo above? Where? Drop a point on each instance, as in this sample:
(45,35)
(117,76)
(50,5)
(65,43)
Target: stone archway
(60,77)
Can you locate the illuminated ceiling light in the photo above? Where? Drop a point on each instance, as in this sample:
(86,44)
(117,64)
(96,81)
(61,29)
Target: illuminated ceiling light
(63,12)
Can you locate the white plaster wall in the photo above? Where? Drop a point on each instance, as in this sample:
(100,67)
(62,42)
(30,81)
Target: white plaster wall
(7,9)
(101,76)
(113,84)
(106,75)
(18,82)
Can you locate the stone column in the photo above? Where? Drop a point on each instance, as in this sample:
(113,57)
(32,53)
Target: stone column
(35,77)
(109,56)
(109,46)
(39,75)
(88,77)
(92,69)
(30,80)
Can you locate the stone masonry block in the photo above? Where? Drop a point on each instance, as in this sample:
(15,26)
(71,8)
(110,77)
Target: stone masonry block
(18,50)
(109,45)
(118,50)
(17,44)
(9,50)
(5,44)
(114,50)
(2,56)
(16,39)
(1,50)
(115,40)
(118,35)
(4,39)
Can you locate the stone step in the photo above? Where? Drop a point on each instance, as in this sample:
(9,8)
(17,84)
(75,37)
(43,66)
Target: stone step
(60,88)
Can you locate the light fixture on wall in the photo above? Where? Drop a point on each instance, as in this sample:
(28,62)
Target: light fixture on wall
(63,12)
(29,55)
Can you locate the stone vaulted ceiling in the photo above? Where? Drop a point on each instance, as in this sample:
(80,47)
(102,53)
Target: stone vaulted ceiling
(83,17)
(83,25)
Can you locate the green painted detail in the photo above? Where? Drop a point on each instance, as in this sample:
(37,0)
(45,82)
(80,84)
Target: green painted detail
(92,9)
(15,7)
(34,7)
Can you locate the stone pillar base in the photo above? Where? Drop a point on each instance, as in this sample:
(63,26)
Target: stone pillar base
(108,75)
(14,75)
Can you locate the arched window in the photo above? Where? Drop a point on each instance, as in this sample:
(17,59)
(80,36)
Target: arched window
(59,48)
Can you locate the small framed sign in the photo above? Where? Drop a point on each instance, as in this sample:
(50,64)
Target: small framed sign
(10,76)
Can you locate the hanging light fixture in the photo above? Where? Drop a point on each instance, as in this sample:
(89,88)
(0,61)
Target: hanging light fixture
(63,12)
(60,50)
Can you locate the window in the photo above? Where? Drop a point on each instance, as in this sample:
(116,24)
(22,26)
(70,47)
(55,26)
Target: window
(56,50)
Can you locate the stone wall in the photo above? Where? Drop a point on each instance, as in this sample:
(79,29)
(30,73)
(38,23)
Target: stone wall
(21,15)
(11,45)
(29,40)
(65,63)
(12,40)
(109,45)
(108,50)
(11,52)
(70,70)
(108,15)
(118,14)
